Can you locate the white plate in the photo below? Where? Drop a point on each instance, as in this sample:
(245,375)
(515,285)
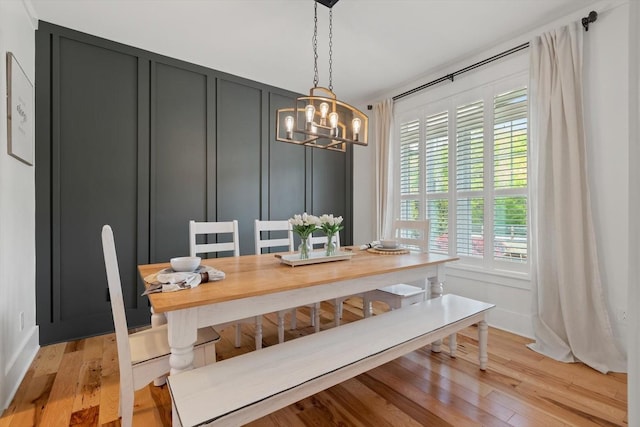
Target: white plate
(383,249)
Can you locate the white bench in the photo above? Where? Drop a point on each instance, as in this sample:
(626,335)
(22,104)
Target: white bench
(243,388)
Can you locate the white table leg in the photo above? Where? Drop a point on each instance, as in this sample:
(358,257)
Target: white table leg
(483,336)
(453,344)
(182,333)
(158,319)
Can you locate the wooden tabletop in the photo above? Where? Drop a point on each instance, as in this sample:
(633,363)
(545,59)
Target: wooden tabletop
(253,275)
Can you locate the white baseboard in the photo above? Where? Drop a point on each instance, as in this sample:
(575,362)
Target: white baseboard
(517,323)
(17,367)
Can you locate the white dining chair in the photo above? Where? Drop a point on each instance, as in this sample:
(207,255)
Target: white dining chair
(223,228)
(321,241)
(142,356)
(265,226)
(413,235)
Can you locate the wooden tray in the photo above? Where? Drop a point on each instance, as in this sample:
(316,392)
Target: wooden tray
(315,257)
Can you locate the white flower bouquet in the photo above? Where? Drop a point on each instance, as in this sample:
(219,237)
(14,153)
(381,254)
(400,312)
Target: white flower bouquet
(330,225)
(303,225)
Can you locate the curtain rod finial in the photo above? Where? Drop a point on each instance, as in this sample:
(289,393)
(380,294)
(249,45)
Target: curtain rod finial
(593,16)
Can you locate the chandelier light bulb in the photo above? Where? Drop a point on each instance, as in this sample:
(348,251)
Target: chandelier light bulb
(288,123)
(309,112)
(324,109)
(333,120)
(356,123)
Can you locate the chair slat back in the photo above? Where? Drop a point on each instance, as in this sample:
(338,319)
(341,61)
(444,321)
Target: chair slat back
(225,227)
(413,234)
(266,226)
(321,240)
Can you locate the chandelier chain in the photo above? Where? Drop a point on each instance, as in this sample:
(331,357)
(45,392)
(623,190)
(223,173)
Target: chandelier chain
(331,50)
(315,44)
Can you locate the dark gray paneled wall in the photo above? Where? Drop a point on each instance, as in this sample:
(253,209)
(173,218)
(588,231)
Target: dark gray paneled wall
(178,157)
(146,143)
(238,151)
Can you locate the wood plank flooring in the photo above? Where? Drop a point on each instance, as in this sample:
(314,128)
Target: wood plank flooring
(76,384)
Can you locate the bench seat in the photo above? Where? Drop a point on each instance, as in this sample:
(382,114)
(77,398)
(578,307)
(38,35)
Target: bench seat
(243,388)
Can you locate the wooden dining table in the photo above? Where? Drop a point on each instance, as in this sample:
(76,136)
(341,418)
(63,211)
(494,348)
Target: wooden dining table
(258,284)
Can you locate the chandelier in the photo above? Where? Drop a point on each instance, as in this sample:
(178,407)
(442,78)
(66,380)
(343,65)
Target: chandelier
(320,120)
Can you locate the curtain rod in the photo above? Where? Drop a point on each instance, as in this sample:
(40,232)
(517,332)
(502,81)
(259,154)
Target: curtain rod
(585,23)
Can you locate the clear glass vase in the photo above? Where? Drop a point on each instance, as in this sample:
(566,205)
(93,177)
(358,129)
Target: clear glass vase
(305,247)
(330,246)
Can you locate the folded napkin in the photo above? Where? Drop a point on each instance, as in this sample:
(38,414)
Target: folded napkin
(167,280)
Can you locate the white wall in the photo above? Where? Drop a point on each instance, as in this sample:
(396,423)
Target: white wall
(18,343)
(606,77)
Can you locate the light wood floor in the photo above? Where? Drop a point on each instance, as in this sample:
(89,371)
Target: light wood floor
(76,384)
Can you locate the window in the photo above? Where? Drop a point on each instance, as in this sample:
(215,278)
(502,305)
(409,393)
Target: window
(464,166)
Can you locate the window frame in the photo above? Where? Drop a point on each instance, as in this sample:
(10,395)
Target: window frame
(450,101)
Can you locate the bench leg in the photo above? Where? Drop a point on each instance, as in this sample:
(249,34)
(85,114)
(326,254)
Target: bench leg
(483,335)
(337,311)
(453,344)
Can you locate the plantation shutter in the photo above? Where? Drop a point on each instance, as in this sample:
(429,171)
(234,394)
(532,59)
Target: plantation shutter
(510,175)
(470,179)
(437,180)
(410,170)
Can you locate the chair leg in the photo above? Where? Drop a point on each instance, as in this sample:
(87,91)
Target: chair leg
(294,319)
(126,406)
(366,305)
(258,332)
(281,326)
(337,311)
(316,316)
(312,314)
(238,327)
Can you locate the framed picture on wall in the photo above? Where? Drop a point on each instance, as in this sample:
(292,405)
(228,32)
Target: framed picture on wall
(20,112)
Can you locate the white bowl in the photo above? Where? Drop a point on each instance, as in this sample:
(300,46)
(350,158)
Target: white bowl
(185,263)
(389,244)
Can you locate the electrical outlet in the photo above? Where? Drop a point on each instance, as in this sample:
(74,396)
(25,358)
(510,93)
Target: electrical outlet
(21,320)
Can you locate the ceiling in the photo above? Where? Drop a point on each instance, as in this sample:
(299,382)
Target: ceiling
(378,45)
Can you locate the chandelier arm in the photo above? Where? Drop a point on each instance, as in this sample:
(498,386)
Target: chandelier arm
(331,50)
(315,44)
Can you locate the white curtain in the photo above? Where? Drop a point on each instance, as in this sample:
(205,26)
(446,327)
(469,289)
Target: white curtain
(571,321)
(383,115)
